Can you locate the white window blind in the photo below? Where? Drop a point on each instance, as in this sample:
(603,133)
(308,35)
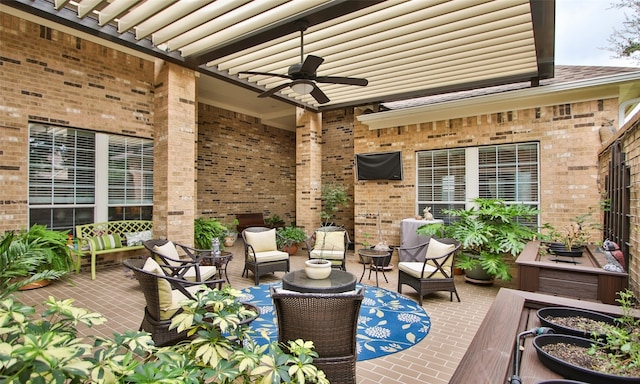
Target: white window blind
(450,178)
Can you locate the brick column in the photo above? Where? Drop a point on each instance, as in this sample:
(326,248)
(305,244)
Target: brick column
(174,154)
(308,169)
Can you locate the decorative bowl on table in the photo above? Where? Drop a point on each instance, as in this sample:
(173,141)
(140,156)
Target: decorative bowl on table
(317,269)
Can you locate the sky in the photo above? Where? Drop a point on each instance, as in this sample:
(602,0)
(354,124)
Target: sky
(582,30)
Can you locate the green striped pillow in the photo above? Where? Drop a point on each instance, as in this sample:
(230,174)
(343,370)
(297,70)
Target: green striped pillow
(100,243)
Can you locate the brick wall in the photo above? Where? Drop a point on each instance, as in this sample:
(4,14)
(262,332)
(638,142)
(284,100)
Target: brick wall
(243,166)
(51,77)
(568,160)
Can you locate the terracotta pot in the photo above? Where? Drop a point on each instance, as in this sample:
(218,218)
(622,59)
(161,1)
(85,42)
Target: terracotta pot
(291,249)
(35,285)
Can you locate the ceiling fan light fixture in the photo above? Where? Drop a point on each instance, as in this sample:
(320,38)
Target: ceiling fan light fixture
(302,88)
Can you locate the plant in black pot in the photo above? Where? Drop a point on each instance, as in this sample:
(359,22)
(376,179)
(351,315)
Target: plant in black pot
(289,238)
(609,356)
(571,240)
(491,233)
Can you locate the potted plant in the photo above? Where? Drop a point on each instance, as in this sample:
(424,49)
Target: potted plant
(212,354)
(231,234)
(491,232)
(274,221)
(22,265)
(36,256)
(333,198)
(571,240)
(205,229)
(289,238)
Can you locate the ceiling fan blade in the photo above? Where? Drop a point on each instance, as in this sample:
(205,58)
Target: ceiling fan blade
(273,90)
(264,74)
(311,64)
(319,95)
(342,80)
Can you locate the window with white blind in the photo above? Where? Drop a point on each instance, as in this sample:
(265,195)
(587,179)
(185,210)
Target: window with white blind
(68,182)
(130,178)
(451,178)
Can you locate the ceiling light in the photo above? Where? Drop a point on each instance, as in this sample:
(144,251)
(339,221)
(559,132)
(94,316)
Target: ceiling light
(302,88)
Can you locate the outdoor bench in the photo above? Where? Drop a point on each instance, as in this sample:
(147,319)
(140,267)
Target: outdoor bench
(246,220)
(111,236)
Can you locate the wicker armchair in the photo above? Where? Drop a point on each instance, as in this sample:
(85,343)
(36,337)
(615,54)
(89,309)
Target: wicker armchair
(330,321)
(163,294)
(166,253)
(329,243)
(428,267)
(261,253)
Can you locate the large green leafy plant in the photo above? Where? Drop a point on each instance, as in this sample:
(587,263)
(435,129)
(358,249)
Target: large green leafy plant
(205,229)
(48,349)
(491,232)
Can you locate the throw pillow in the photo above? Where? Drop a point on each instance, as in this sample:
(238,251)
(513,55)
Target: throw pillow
(168,250)
(133,239)
(329,241)
(137,238)
(262,241)
(164,287)
(100,243)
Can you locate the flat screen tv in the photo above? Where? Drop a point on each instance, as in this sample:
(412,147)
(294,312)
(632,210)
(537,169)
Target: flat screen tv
(379,166)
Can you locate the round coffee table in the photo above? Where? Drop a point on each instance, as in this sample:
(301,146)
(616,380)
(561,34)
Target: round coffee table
(339,281)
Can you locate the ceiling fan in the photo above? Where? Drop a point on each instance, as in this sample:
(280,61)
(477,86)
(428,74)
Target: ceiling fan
(303,76)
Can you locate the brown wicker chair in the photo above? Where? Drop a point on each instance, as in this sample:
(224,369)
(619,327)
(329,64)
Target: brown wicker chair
(157,319)
(426,270)
(261,255)
(329,320)
(195,272)
(328,249)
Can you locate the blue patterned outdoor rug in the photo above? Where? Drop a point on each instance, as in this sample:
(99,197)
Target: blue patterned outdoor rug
(388,322)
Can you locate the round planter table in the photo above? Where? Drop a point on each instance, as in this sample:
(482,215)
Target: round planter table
(337,282)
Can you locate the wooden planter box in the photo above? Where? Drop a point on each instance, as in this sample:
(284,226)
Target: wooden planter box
(489,358)
(585,280)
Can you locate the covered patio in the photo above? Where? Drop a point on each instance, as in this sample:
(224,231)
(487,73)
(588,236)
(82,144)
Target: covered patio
(433,360)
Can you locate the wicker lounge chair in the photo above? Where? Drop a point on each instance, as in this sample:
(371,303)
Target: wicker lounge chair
(162,294)
(330,321)
(261,254)
(329,243)
(166,253)
(428,267)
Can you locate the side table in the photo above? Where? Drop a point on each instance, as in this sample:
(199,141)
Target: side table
(376,260)
(220,263)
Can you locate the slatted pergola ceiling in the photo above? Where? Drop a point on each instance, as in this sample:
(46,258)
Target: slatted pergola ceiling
(403,48)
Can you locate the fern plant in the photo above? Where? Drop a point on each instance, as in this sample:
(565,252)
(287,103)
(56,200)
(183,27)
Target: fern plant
(205,229)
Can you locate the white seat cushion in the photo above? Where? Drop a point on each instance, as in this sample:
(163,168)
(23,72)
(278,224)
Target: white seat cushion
(176,299)
(206,273)
(262,241)
(414,268)
(329,255)
(262,257)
